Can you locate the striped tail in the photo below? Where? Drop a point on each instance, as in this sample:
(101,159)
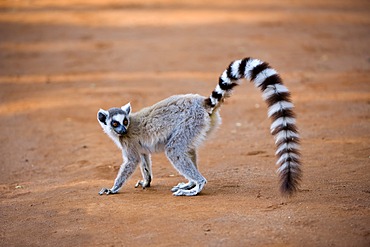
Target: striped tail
(280,111)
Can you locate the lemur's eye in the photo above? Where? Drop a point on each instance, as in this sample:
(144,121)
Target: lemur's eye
(125,122)
(115,124)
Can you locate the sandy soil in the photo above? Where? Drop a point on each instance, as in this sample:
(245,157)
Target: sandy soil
(60,61)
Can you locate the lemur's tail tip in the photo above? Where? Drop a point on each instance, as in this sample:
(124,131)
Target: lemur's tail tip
(290,185)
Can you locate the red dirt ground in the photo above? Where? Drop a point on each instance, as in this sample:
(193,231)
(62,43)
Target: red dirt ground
(60,61)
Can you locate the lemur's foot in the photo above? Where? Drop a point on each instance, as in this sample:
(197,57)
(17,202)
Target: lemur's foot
(192,192)
(183,186)
(106,191)
(189,189)
(142,183)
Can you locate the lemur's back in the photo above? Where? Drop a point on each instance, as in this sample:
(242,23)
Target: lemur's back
(177,115)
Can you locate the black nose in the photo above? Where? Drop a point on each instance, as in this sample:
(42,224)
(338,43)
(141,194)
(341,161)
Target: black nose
(121,130)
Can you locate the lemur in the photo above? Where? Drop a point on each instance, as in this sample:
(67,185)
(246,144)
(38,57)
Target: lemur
(179,124)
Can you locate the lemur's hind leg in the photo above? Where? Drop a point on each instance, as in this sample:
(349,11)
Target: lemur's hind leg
(193,156)
(184,164)
(189,185)
(146,171)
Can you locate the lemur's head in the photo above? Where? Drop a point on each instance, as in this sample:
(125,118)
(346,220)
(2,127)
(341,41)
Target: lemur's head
(115,120)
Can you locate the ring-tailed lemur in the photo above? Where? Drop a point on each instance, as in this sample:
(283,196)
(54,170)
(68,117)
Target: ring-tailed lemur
(179,124)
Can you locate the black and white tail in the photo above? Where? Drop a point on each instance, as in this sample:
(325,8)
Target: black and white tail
(280,111)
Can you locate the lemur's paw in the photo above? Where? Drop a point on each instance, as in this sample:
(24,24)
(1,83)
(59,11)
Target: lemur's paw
(183,186)
(180,192)
(188,189)
(106,191)
(142,183)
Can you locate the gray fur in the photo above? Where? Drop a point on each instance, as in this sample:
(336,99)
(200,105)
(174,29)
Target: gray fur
(176,126)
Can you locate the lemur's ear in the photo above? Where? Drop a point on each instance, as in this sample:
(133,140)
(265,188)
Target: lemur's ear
(126,108)
(102,116)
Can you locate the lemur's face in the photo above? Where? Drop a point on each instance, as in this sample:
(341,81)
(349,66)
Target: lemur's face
(115,120)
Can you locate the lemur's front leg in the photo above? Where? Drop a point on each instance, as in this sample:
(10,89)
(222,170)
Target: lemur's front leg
(146,171)
(125,171)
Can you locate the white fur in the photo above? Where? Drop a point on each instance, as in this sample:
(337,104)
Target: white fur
(214,101)
(284,121)
(281,88)
(251,64)
(285,156)
(119,118)
(285,134)
(126,108)
(108,130)
(269,91)
(261,77)
(291,165)
(274,89)
(219,90)
(290,145)
(113,137)
(225,78)
(281,105)
(235,68)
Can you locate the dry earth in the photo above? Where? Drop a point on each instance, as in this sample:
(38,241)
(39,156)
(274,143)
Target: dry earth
(60,61)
